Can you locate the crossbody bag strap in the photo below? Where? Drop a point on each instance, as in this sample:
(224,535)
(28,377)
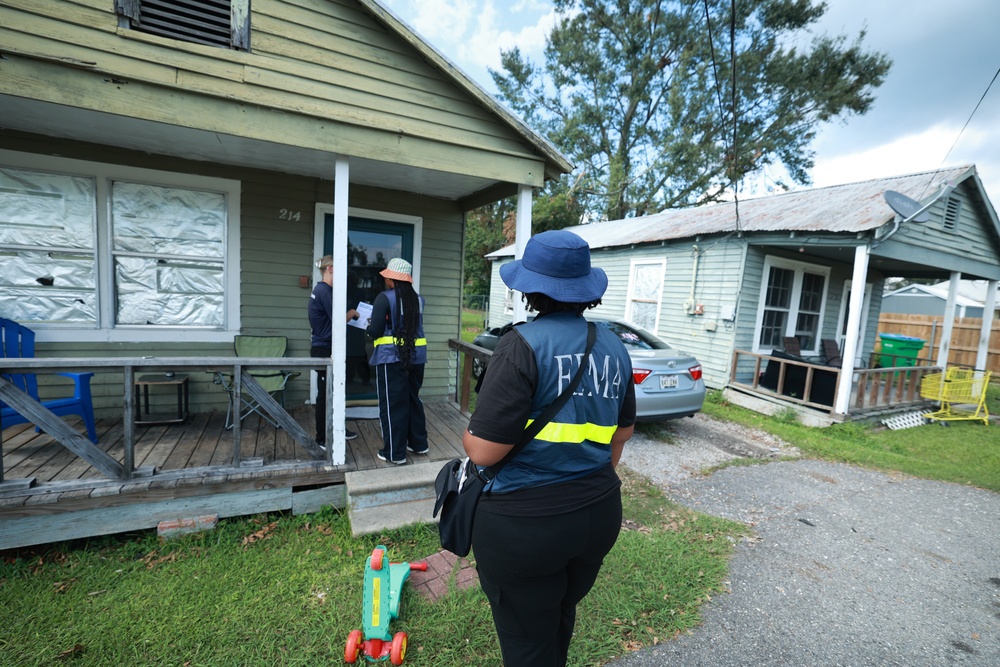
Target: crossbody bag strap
(551,411)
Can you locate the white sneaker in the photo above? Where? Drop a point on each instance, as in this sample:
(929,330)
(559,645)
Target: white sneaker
(398,463)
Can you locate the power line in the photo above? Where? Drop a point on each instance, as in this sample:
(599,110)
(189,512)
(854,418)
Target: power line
(985,93)
(734,162)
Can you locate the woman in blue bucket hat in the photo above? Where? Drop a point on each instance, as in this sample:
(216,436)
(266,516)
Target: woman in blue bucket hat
(547,520)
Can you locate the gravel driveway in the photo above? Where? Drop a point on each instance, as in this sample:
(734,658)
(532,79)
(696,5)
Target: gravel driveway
(846,567)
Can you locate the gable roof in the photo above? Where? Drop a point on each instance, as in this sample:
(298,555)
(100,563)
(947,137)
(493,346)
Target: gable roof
(850,208)
(464,81)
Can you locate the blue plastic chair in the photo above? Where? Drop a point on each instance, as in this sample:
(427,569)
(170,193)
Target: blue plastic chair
(18,342)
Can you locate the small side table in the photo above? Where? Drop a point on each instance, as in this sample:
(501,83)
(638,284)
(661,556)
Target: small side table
(161,380)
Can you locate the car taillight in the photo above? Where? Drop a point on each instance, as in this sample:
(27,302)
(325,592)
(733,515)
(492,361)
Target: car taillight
(640,374)
(695,372)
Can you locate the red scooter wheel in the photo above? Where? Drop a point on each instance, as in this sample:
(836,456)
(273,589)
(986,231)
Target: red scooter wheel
(398,650)
(377,559)
(353,649)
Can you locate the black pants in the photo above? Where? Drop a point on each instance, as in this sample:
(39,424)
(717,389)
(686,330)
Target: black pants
(400,410)
(536,569)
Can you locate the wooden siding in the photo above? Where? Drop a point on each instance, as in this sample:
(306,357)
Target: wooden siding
(498,315)
(274,254)
(333,74)
(718,280)
(973,240)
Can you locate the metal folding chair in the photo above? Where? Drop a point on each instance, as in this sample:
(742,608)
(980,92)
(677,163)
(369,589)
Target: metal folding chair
(273,381)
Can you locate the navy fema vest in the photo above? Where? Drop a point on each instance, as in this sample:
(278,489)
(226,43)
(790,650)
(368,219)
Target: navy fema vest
(385,345)
(577,442)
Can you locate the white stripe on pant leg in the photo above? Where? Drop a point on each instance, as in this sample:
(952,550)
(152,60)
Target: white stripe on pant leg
(388,412)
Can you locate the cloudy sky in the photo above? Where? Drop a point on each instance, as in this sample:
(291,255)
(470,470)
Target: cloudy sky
(945,55)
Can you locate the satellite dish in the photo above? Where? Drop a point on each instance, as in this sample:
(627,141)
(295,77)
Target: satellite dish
(905,206)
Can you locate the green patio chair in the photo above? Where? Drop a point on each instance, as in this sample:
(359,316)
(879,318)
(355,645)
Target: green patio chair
(272,380)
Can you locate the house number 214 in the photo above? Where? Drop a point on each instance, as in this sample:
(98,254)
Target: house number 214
(290,215)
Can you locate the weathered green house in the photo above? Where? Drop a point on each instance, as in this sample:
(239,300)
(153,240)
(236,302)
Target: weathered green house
(169,172)
(728,283)
(166,181)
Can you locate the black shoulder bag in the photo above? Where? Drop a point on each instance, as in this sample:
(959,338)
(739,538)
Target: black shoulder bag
(460,484)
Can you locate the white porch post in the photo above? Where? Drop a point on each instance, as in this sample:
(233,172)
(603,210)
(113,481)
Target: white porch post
(944,347)
(522,234)
(336,387)
(851,342)
(983,352)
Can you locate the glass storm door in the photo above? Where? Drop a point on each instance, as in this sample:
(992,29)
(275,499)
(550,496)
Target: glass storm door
(370,246)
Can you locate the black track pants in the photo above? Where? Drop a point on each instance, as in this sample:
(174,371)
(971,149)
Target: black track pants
(535,570)
(401,413)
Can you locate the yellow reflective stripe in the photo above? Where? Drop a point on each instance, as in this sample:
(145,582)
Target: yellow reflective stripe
(389,340)
(576,433)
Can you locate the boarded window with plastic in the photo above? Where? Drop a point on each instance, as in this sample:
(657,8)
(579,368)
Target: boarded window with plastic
(47,244)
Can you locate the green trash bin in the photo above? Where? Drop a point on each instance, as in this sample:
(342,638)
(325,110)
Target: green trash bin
(905,349)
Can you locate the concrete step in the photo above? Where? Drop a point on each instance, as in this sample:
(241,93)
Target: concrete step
(391,497)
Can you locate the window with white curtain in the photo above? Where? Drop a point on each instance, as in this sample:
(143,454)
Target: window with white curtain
(645,290)
(792,301)
(133,253)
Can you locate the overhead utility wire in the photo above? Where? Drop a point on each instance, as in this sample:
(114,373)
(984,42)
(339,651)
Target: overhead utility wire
(962,131)
(732,59)
(718,92)
(985,92)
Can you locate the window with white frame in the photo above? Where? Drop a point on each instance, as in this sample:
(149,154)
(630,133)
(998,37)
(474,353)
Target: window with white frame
(793,297)
(129,252)
(645,290)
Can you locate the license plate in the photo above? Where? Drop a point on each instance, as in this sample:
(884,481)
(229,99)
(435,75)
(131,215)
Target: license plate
(668,382)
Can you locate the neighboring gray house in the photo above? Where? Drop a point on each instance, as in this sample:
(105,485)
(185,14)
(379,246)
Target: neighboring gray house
(932,299)
(716,279)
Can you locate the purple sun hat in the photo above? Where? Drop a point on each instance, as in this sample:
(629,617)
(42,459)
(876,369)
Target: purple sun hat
(557,264)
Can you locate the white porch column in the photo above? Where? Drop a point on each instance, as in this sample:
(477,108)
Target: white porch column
(949,320)
(336,382)
(522,234)
(851,342)
(982,353)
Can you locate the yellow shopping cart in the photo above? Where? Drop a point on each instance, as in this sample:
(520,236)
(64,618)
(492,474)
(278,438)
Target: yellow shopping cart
(957,386)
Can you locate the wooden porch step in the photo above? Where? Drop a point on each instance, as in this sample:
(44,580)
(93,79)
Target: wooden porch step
(392,497)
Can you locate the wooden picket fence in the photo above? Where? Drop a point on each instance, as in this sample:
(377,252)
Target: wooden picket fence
(964,337)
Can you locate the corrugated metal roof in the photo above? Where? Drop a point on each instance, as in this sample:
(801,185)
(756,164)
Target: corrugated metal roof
(850,208)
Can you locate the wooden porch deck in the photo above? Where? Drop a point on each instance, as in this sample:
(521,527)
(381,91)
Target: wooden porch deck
(813,387)
(185,470)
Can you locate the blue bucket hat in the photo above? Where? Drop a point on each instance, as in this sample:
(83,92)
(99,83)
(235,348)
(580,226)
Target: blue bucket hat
(556,264)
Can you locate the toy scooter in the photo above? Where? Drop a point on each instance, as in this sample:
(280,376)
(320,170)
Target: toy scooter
(383,589)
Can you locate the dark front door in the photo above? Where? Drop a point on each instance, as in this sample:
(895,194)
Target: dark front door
(370,246)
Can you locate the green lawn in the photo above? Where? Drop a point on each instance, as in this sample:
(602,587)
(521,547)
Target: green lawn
(282,590)
(963,452)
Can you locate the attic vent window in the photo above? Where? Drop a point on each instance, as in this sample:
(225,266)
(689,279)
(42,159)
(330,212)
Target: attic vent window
(224,23)
(951,212)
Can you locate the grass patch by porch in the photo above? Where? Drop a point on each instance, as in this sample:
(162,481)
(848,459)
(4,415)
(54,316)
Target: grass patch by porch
(962,452)
(286,590)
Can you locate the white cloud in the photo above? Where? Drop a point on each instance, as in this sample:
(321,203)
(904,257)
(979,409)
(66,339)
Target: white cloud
(922,151)
(471,33)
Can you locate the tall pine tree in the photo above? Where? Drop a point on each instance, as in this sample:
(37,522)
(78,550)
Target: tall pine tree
(643,97)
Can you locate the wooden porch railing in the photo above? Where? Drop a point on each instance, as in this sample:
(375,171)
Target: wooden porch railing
(468,355)
(109,466)
(873,389)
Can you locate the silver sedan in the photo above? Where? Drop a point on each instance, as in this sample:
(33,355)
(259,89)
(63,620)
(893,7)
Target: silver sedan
(668,382)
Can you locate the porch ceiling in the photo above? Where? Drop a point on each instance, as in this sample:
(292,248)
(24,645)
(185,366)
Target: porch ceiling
(64,122)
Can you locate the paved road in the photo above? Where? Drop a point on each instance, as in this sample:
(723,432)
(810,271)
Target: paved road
(847,567)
